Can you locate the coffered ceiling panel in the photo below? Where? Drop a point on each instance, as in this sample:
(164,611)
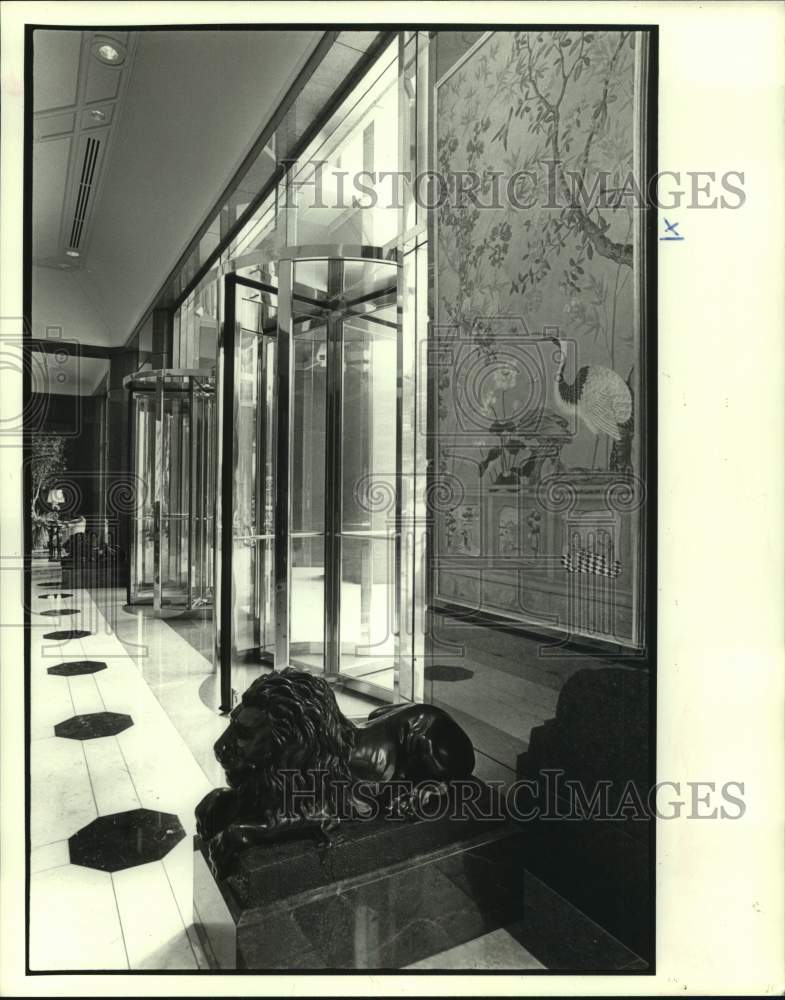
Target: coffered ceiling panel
(58,53)
(77,104)
(50,171)
(103,83)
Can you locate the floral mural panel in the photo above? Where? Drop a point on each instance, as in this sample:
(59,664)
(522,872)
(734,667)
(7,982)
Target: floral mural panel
(537,333)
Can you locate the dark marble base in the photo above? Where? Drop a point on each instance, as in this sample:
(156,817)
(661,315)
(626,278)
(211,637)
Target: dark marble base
(62,634)
(56,612)
(603,866)
(287,904)
(370,902)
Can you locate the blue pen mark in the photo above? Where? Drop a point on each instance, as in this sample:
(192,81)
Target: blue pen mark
(670,227)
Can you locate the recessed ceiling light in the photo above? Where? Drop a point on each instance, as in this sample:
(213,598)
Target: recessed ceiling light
(72,253)
(98,115)
(109,53)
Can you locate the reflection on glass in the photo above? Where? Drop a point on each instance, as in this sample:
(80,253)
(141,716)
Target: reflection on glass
(202,500)
(368,608)
(369,416)
(353,195)
(306,596)
(308,430)
(307,471)
(174,456)
(369,487)
(252,527)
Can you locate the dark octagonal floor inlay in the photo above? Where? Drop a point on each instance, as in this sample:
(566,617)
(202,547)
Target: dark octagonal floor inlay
(51,583)
(73,668)
(62,634)
(126,839)
(49,597)
(90,727)
(54,612)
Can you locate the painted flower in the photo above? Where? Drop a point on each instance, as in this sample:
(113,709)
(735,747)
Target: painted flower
(488,405)
(505,377)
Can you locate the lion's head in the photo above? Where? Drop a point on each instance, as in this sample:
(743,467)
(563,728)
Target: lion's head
(288,721)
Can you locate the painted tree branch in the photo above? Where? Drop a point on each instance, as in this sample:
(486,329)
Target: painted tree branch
(619,253)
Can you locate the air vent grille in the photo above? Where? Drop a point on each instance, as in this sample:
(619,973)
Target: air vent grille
(92,148)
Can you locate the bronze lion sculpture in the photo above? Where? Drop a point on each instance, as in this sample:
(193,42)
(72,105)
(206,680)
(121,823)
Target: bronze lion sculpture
(294,763)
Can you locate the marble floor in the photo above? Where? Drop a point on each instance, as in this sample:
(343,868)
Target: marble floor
(122,725)
(113,787)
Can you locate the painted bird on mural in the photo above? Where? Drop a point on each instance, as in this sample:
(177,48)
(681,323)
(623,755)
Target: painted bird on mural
(599,397)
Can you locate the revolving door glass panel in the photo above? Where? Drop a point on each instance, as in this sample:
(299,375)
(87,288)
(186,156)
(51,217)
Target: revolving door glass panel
(313,367)
(245,529)
(173,428)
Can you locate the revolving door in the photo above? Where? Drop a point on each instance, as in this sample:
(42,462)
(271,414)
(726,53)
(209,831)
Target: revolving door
(173,449)
(309,412)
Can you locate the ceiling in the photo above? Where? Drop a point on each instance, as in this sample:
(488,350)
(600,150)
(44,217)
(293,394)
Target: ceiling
(128,159)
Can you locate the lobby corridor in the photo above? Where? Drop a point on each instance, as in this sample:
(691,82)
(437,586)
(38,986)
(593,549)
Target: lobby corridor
(113,789)
(121,733)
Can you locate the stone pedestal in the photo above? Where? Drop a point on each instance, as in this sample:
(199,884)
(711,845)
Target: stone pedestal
(385,894)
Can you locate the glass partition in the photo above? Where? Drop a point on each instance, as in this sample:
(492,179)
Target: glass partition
(173,452)
(310,428)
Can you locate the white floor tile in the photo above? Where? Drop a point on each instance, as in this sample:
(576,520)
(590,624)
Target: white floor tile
(165,775)
(50,703)
(85,694)
(154,933)
(74,922)
(49,856)
(179,866)
(62,798)
(112,785)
